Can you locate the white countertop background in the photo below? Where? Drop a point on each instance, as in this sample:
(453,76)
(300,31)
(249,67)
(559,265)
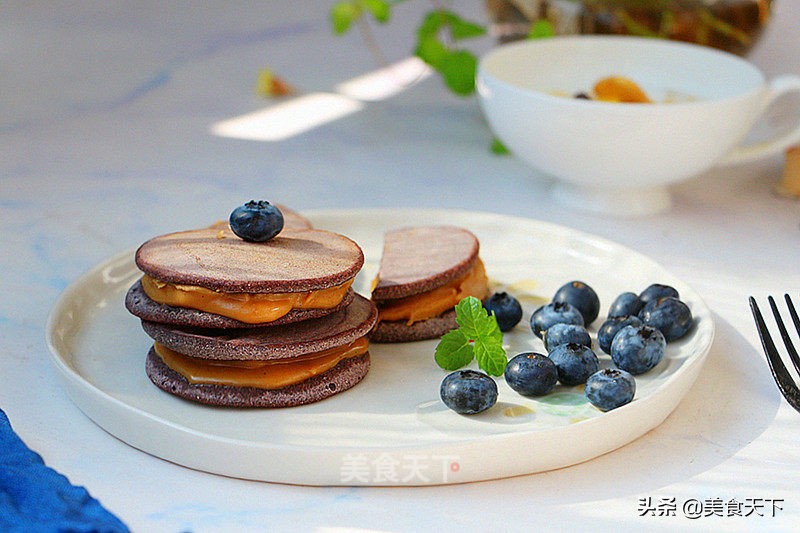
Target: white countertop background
(105,121)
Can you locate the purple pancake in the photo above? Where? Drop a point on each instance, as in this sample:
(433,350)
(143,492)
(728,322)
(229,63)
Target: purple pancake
(142,306)
(271,342)
(432,328)
(340,378)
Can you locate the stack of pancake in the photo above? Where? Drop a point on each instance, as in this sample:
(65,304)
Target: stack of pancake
(243,324)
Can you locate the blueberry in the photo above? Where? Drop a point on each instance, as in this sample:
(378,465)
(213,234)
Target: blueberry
(574,362)
(607,331)
(582,297)
(506,309)
(610,388)
(554,313)
(531,374)
(670,315)
(625,304)
(656,291)
(637,349)
(468,391)
(563,333)
(256,221)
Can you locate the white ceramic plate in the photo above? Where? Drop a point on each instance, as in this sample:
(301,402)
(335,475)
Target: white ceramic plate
(391,429)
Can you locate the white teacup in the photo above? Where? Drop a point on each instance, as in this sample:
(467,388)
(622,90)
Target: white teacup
(619,157)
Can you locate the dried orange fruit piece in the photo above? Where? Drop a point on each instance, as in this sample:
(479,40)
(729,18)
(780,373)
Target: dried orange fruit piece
(789,184)
(619,89)
(269,85)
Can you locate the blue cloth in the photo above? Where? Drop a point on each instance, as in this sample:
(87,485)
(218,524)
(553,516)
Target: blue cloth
(36,498)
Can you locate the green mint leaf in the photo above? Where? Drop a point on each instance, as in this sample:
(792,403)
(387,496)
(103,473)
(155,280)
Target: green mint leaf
(478,336)
(476,324)
(343,14)
(490,355)
(492,331)
(381,10)
(541,28)
(471,317)
(454,350)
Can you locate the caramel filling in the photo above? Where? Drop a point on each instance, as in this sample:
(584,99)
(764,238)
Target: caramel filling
(249,308)
(274,374)
(433,303)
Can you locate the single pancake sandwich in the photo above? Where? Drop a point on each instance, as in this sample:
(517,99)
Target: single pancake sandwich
(424,272)
(253,313)
(212,278)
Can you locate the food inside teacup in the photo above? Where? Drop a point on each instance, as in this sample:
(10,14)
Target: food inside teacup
(621,89)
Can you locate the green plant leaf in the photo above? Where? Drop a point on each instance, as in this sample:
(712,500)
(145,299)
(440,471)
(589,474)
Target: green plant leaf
(458,70)
(541,28)
(459,28)
(454,350)
(492,331)
(381,10)
(478,336)
(432,23)
(498,147)
(343,14)
(471,317)
(491,356)
(431,51)
(456,67)
(464,29)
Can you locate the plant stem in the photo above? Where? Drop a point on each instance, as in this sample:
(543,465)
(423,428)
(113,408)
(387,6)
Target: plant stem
(372,43)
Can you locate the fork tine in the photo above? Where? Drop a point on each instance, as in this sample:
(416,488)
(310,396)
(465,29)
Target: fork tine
(784,334)
(766,340)
(796,321)
(782,377)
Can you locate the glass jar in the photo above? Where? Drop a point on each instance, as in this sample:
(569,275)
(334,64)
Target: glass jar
(731,25)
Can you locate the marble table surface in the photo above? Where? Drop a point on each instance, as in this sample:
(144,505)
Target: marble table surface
(113,130)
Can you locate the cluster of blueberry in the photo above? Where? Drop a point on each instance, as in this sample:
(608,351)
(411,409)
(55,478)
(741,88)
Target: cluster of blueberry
(635,334)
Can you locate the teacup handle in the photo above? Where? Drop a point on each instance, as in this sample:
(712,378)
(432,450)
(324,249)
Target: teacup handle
(741,154)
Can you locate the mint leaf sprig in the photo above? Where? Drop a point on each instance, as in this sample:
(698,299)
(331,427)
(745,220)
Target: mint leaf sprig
(477,337)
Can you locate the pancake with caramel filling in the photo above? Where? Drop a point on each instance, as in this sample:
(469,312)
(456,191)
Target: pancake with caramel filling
(277,366)
(424,272)
(211,278)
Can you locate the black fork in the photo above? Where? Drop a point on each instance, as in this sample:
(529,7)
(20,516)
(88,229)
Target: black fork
(783,378)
